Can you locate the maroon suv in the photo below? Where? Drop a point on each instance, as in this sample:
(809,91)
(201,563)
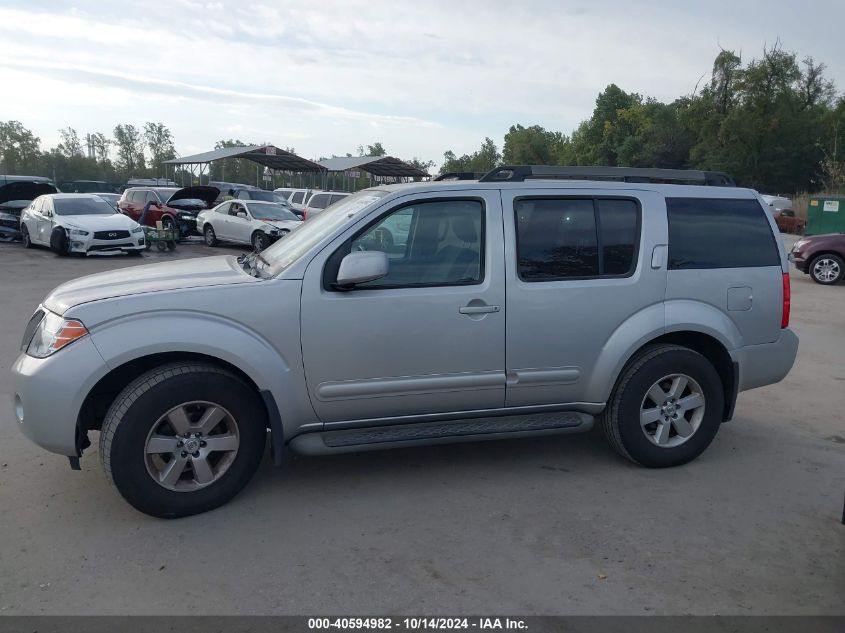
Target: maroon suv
(174,207)
(820,256)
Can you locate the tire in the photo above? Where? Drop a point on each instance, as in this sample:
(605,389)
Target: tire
(139,410)
(161,246)
(827,270)
(209,235)
(59,241)
(25,238)
(631,400)
(259,241)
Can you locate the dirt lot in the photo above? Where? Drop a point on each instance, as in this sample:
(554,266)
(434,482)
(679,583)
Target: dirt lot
(545,526)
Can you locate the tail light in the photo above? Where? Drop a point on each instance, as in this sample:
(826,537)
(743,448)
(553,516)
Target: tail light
(304,214)
(787,301)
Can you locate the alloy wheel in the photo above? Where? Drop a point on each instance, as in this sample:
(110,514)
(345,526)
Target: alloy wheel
(672,410)
(826,270)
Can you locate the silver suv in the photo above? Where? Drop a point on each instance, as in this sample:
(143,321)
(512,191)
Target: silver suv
(528,302)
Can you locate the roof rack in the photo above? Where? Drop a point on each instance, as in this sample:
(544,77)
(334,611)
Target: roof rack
(520,173)
(460,175)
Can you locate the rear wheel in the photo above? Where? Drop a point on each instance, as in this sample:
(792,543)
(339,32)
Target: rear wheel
(666,407)
(827,269)
(183,439)
(209,235)
(27,241)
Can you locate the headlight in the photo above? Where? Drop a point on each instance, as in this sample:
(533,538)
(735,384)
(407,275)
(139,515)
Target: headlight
(54,333)
(799,244)
(138,229)
(78,232)
(186,216)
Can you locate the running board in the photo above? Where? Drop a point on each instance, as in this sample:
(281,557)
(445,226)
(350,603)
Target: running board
(426,433)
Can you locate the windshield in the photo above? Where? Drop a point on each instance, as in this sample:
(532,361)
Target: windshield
(285,252)
(266,196)
(82,206)
(271,212)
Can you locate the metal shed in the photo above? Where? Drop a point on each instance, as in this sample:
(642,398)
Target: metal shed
(382,168)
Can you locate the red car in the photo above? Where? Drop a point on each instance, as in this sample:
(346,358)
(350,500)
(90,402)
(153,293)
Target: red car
(174,207)
(820,256)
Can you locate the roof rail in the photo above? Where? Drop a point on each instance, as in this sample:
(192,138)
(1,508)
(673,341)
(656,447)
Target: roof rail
(520,173)
(460,175)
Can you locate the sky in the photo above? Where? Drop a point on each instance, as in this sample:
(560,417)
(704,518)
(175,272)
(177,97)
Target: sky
(325,77)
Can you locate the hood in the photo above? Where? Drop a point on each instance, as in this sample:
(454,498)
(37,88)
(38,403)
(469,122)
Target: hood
(823,238)
(201,192)
(20,191)
(97,222)
(188,273)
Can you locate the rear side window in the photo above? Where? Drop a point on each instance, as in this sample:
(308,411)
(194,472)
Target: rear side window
(296,198)
(719,233)
(576,238)
(320,201)
(337,198)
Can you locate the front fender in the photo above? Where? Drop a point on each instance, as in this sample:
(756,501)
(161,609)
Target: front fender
(135,336)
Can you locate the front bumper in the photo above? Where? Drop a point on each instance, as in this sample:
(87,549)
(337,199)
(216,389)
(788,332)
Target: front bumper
(49,393)
(10,226)
(761,365)
(90,244)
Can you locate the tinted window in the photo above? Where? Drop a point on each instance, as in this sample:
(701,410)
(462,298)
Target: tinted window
(271,212)
(151,197)
(719,233)
(319,201)
(556,239)
(82,206)
(297,197)
(428,244)
(618,219)
(336,198)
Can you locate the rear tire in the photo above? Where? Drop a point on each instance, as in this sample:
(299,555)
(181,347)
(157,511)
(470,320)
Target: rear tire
(659,434)
(137,433)
(827,270)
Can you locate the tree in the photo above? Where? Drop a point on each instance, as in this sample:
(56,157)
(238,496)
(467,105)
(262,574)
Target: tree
(486,158)
(19,148)
(70,145)
(533,145)
(376,149)
(101,145)
(130,148)
(160,143)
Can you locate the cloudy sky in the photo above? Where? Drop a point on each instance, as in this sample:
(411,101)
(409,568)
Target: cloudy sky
(324,77)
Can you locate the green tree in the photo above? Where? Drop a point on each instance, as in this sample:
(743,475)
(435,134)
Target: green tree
(159,141)
(19,148)
(376,149)
(130,149)
(484,159)
(101,144)
(70,145)
(534,145)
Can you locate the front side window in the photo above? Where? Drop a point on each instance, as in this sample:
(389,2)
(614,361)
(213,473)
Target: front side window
(432,243)
(320,201)
(719,233)
(575,238)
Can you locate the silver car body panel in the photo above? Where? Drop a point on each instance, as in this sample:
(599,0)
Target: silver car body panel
(381,356)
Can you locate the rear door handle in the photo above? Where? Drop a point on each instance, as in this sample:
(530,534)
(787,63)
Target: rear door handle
(478,309)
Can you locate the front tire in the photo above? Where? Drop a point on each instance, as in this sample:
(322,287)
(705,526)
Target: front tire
(209,235)
(182,439)
(827,270)
(259,241)
(666,407)
(59,241)
(25,238)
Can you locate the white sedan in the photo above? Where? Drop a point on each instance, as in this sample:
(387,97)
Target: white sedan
(247,222)
(79,223)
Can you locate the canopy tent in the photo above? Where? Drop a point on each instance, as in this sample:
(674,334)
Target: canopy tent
(384,168)
(269,156)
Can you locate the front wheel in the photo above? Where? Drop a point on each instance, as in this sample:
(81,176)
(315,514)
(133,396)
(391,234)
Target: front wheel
(666,407)
(59,243)
(209,235)
(183,439)
(259,241)
(25,238)
(827,269)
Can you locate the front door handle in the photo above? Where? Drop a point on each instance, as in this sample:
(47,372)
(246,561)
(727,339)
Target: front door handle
(478,309)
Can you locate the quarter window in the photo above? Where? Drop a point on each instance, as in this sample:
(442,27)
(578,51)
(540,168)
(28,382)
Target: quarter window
(719,233)
(575,238)
(433,243)
(296,198)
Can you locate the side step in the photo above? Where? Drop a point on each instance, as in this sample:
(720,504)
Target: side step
(425,433)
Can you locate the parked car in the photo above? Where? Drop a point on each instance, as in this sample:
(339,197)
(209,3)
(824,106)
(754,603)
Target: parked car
(297,199)
(79,223)
(820,256)
(253,222)
(111,198)
(320,200)
(16,195)
(781,210)
(516,307)
(174,208)
(87,186)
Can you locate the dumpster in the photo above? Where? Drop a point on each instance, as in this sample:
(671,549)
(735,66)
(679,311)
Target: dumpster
(825,214)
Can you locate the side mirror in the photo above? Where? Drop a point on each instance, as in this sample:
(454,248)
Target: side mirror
(360,267)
